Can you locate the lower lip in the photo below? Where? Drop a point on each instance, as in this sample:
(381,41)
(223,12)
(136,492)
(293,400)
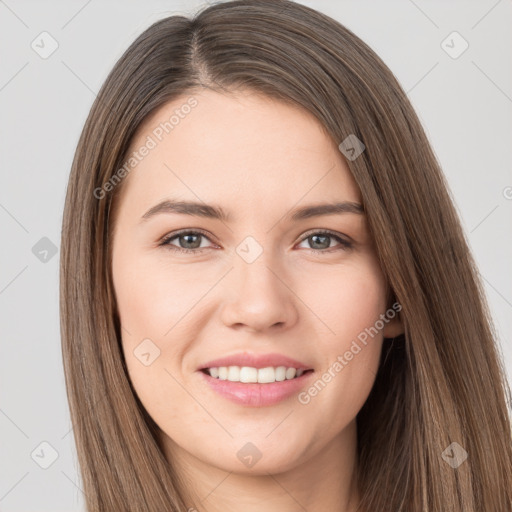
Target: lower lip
(257,395)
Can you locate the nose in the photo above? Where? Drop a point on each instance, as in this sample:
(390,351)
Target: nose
(259,296)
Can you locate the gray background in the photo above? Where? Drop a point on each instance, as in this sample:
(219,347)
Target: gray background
(464,103)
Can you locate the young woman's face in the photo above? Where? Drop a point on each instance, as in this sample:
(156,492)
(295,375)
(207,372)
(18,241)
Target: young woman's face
(265,283)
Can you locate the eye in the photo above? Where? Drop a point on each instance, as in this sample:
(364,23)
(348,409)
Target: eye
(320,239)
(192,241)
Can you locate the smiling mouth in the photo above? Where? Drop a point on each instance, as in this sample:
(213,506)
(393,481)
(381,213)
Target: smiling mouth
(247,374)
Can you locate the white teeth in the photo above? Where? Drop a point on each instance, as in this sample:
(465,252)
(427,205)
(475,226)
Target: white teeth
(234,373)
(290,373)
(249,374)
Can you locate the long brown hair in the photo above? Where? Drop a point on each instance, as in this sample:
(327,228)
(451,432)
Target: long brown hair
(440,382)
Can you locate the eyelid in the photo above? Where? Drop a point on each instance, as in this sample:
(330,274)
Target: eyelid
(326,232)
(163,241)
(344,240)
(173,234)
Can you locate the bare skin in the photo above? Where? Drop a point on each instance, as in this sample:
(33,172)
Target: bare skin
(307,296)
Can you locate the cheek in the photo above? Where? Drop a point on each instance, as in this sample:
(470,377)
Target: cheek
(159,307)
(151,303)
(351,305)
(152,297)
(346,302)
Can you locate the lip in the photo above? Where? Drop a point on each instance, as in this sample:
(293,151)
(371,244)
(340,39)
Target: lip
(257,395)
(256,361)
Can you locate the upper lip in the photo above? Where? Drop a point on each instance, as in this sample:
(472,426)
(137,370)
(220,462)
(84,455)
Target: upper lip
(256,361)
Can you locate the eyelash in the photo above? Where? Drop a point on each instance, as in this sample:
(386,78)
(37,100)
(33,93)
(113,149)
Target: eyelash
(165,241)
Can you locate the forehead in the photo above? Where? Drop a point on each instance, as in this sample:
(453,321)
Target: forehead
(241,148)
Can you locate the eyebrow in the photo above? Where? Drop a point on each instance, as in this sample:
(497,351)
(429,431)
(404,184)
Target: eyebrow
(216,212)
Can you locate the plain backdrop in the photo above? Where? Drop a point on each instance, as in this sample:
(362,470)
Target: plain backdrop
(463,99)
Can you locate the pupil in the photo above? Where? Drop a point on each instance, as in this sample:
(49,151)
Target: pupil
(325,237)
(186,237)
(324,240)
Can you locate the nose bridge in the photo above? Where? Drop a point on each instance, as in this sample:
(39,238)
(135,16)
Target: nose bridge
(258,296)
(255,268)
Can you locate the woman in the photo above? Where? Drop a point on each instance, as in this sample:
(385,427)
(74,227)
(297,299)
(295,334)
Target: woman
(267,298)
